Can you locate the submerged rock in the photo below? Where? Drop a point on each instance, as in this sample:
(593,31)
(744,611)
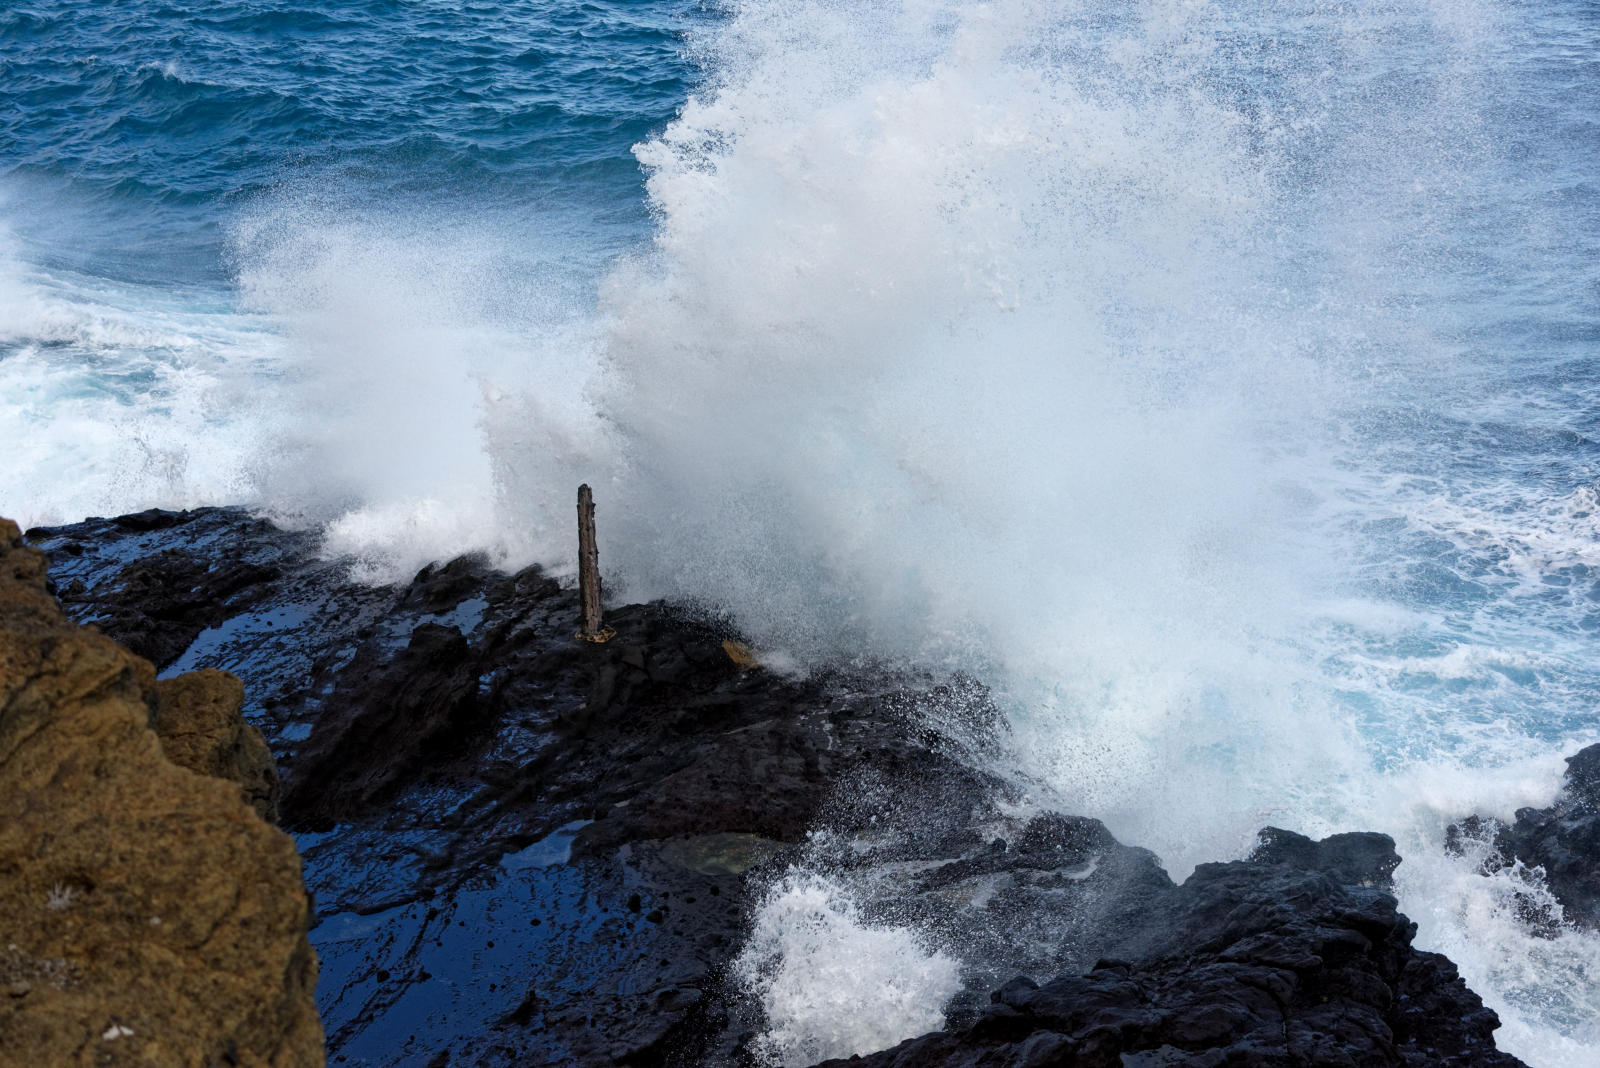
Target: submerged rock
(149,915)
(1561,843)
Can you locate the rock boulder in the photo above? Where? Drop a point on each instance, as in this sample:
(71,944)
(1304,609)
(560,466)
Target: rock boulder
(1292,957)
(1559,844)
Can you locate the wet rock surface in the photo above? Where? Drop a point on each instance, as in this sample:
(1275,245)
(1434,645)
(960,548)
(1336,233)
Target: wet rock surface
(524,849)
(1558,845)
(1276,960)
(527,849)
(149,914)
(160,601)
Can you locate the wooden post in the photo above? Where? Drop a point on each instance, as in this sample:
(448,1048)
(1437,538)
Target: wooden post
(590,627)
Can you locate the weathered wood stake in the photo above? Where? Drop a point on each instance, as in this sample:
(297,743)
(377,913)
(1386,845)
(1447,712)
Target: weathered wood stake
(590,626)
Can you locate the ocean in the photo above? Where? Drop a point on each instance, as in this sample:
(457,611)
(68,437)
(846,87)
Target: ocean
(1217,382)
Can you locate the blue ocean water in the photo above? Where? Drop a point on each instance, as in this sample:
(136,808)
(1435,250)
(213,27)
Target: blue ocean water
(156,158)
(1275,325)
(149,125)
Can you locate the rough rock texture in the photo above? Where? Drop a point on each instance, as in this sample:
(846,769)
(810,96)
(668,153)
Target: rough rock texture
(532,850)
(197,717)
(161,602)
(524,849)
(1561,842)
(148,915)
(1277,960)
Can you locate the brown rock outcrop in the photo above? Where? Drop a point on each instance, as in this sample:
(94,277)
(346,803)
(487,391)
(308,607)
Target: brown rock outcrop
(200,726)
(148,914)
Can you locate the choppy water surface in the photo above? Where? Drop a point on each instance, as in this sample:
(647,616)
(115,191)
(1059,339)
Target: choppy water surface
(1218,381)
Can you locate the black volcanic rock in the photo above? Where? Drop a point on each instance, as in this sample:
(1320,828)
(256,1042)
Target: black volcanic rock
(527,849)
(524,848)
(1358,858)
(1562,841)
(1044,895)
(159,601)
(1272,961)
(375,736)
(1583,779)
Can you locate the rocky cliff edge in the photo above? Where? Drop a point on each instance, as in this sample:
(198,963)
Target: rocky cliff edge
(150,914)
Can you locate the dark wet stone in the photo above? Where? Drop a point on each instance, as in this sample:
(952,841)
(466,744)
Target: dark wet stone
(1272,961)
(381,729)
(1562,842)
(1361,858)
(1583,779)
(527,849)
(165,590)
(163,602)
(150,519)
(524,848)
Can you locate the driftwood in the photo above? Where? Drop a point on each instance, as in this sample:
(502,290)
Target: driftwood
(590,626)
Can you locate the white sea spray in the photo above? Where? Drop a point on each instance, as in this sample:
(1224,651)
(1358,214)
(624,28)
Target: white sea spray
(833,984)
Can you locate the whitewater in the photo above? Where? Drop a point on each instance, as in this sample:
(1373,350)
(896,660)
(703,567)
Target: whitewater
(1215,382)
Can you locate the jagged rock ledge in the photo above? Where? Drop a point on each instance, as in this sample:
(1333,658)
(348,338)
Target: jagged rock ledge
(1555,848)
(1296,956)
(527,849)
(149,912)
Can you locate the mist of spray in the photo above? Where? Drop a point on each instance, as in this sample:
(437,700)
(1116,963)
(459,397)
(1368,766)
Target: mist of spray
(972,338)
(1032,338)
